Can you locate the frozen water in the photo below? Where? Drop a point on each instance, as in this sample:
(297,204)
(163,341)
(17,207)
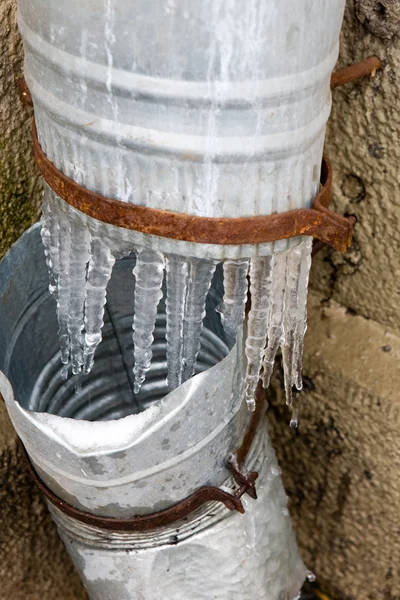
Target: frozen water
(260,290)
(50,238)
(63,285)
(79,259)
(177,276)
(275,319)
(235,295)
(149,275)
(99,273)
(295,318)
(80,254)
(199,281)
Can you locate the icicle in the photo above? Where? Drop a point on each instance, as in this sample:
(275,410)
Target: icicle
(50,237)
(260,288)
(275,321)
(100,268)
(289,319)
(64,286)
(45,233)
(294,420)
(79,258)
(301,313)
(177,273)
(200,275)
(54,230)
(149,274)
(235,295)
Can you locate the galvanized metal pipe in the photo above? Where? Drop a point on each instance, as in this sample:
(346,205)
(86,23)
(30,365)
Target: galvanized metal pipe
(204,102)
(179,107)
(121,455)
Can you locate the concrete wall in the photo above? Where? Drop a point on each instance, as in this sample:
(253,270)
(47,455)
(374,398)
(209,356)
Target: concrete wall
(341,467)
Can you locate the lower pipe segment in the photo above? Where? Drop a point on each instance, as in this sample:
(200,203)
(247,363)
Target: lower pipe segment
(213,554)
(148,455)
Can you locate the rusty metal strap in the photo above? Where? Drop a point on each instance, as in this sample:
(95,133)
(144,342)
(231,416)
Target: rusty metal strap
(232,501)
(319,222)
(356,71)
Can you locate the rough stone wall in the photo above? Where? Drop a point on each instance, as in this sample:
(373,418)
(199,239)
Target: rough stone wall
(341,467)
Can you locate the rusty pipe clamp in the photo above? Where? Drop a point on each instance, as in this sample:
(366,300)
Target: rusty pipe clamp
(319,222)
(232,501)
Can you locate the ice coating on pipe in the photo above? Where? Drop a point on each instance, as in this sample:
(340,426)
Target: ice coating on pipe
(85,251)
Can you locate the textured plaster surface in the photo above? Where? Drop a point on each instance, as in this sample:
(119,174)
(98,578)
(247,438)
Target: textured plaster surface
(341,468)
(364,147)
(19,181)
(382,17)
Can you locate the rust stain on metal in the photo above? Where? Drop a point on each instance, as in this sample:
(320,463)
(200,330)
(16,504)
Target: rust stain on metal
(319,222)
(183,509)
(356,71)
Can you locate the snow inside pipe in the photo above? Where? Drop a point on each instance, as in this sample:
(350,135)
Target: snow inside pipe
(223,114)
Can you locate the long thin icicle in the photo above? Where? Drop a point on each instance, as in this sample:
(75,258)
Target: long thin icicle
(260,288)
(300,319)
(149,274)
(49,233)
(177,274)
(64,286)
(100,268)
(200,275)
(79,258)
(291,295)
(235,295)
(54,230)
(275,321)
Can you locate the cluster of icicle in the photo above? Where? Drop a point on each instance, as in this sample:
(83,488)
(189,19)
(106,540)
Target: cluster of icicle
(80,260)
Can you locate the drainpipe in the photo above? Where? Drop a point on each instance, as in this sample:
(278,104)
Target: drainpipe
(92,454)
(199,113)
(207,111)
